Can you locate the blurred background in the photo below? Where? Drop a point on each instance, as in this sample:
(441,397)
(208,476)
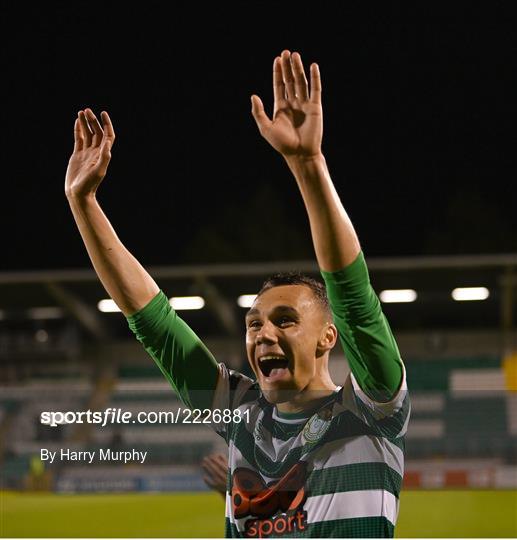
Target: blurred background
(419,111)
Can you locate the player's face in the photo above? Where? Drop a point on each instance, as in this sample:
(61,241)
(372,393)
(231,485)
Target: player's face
(282,331)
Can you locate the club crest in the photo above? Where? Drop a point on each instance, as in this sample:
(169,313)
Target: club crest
(317,426)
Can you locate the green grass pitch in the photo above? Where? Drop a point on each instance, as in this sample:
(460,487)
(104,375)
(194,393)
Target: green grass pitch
(429,514)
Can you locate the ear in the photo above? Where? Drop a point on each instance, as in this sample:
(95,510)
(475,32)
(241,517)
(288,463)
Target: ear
(328,338)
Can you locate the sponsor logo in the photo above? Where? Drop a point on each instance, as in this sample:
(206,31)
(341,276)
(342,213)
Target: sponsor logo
(278,525)
(251,497)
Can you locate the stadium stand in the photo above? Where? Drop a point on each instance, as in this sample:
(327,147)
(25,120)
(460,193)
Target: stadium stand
(463,430)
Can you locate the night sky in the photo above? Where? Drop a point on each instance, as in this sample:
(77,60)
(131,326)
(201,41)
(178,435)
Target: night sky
(419,103)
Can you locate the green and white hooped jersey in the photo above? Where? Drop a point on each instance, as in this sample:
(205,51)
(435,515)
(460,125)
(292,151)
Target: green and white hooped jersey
(335,473)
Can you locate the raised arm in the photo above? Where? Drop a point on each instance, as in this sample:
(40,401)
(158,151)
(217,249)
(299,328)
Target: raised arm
(181,356)
(123,277)
(296,131)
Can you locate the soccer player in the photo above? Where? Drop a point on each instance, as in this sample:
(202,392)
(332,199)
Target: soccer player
(306,457)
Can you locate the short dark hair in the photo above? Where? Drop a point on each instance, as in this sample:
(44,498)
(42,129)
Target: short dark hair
(296,278)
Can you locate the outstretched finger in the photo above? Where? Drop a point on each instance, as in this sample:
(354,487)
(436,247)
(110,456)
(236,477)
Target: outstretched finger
(210,468)
(107,125)
(257,110)
(104,157)
(78,138)
(300,81)
(207,465)
(315,84)
(278,86)
(287,72)
(85,129)
(96,127)
(109,132)
(222,459)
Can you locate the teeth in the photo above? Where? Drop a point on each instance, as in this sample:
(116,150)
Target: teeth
(270,362)
(271,357)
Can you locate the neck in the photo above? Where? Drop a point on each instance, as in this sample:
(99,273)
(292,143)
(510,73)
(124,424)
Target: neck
(307,399)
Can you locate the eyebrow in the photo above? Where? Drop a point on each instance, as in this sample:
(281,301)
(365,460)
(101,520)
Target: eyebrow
(251,312)
(286,309)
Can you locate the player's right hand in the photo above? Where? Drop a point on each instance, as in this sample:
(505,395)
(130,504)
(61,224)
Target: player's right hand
(92,153)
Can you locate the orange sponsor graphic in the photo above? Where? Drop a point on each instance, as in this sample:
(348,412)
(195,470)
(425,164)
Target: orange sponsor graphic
(251,497)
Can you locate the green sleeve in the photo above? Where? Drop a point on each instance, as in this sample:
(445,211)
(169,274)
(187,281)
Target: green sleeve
(364,332)
(181,356)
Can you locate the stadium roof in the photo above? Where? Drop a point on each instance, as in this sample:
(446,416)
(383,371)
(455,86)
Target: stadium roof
(74,294)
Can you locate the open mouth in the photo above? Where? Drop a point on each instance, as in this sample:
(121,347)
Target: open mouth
(272,365)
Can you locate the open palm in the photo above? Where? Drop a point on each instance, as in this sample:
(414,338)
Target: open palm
(92,153)
(297,124)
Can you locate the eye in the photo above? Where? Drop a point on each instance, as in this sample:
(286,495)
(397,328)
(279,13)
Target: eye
(254,324)
(285,321)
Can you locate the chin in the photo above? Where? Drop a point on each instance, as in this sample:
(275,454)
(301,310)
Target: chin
(279,395)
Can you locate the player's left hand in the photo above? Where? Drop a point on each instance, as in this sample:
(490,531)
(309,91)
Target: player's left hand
(297,125)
